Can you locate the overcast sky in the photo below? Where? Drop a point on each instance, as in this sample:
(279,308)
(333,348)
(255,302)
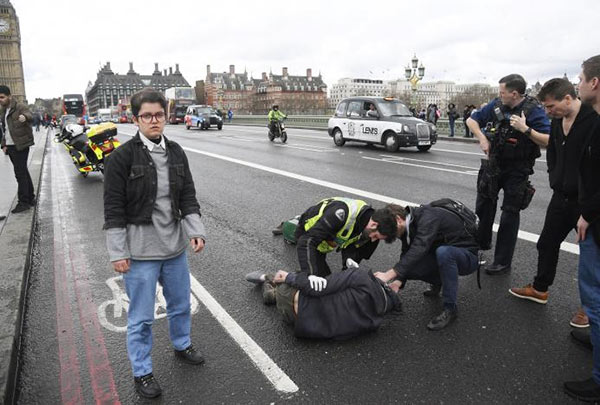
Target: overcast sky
(65,42)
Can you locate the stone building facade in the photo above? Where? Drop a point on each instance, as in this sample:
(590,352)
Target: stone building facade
(109,88)
(353,87)
(246,95)
(11,60)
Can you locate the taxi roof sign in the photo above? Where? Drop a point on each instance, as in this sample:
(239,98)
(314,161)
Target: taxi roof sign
(389,98)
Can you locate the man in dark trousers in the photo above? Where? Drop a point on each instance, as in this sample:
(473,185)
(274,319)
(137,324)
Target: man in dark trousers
(16,120)
(572,123)
(151,214)
(437,246)
(588,231)
(345,304)
(346,224)
(520,125)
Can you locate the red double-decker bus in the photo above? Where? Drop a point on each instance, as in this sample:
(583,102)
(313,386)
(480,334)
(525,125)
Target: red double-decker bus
(74,104)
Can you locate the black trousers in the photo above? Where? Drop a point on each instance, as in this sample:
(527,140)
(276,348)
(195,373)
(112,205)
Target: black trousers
(25,185)
(561,218)
(510,180)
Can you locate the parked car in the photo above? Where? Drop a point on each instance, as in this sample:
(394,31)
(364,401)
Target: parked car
(202,117)
(389,123)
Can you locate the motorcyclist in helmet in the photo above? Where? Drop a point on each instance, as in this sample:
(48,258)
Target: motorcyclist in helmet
(274,117)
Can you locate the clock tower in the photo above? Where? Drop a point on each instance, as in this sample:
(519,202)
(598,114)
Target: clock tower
(11,61)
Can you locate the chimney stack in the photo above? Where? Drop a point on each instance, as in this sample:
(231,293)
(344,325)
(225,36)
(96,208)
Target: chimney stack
(107,65)
(232,69)
(207,70)
(156,67)
(164,72)
(309,74)
(130,65)
(264,76)
(285,71)
(177,68)
(170,70)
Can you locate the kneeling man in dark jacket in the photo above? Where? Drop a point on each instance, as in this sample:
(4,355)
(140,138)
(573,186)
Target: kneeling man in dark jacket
(436,248)
(340,306)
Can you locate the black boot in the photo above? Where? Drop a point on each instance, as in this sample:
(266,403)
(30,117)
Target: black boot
(587,391)
(190,355)
(582,337)
(497,269)
(433,290)
(147,386)
(442,320)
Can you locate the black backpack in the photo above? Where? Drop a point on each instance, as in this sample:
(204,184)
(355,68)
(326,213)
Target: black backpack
(469,218)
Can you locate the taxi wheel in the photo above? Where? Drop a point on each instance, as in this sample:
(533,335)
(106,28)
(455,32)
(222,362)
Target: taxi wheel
(338,138)
(391,143)
(424,148)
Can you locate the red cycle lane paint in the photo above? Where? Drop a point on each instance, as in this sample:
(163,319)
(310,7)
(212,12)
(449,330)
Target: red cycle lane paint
(70,382)
(101,373)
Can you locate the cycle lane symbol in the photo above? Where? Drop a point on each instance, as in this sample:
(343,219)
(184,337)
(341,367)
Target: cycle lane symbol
(112,313)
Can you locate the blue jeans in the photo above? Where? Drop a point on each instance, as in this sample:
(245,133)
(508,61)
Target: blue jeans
(451,124)
(589,290)
(140,285)
(452,262)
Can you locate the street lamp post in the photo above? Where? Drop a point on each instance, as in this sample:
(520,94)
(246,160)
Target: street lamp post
(414,75)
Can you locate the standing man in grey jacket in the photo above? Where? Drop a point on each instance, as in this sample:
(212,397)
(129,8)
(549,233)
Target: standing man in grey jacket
(151,214)
(16,122)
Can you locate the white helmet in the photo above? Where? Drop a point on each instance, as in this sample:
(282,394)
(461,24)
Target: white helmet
(74,129)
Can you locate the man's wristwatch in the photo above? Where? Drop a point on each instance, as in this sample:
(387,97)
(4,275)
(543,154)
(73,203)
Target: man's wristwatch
(527,132)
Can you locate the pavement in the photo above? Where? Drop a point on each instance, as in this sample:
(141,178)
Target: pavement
(15,250)
(500,350)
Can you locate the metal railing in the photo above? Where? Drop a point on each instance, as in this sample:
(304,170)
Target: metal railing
(320,122)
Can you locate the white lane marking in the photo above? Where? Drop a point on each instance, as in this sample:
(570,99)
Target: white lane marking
(274,374)
(428,161)
(236,138)
(441,169)
(531,237)
(311,149)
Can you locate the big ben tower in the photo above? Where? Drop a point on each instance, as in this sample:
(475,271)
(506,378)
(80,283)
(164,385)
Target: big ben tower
(11,61)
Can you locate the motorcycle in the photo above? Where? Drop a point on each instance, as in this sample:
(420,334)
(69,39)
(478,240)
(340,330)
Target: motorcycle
(89,146)
(277,130)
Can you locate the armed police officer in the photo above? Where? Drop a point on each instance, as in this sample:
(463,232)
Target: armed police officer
(344,224)
(516,125)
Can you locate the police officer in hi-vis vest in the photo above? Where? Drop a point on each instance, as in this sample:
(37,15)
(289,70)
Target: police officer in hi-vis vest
(348,225)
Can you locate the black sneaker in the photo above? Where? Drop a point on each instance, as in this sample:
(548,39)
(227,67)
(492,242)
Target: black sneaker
(256,277)
(147,386)
(433,290)
(278,230)
(20,207)
(442,320)
(587,390)
(497,269)
(582,337)
(190,356)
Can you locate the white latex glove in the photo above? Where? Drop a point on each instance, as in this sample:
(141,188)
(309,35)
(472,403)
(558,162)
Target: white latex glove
(317,283)
(351,264)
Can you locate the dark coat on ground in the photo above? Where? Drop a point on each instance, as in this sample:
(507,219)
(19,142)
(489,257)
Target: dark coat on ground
(354,302)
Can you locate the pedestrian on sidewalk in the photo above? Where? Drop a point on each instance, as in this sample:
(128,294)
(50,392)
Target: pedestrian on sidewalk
(572,123)
(452,116)
(150,213)
(230,115)
(588,231)
(16,120)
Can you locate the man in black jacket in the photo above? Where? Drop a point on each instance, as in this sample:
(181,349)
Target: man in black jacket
(150,216)
(588,231)
(436,248)
(345,224)
(348,304)
(572,123)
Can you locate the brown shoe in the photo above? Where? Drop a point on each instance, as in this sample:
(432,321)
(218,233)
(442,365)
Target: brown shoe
(580,319)
(530,293)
